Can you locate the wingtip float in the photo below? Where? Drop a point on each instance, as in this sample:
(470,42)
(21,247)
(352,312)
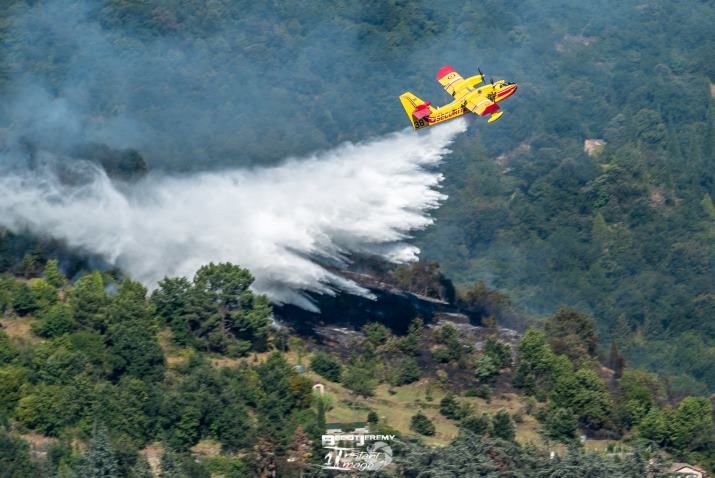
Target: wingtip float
(468,96)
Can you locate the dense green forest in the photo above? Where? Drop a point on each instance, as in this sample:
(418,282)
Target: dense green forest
(625,235)
(98,378)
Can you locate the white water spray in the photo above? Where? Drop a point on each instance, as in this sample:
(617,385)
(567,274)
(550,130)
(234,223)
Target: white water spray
(279,222)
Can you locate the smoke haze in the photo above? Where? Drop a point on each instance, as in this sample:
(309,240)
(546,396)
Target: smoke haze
(275,221)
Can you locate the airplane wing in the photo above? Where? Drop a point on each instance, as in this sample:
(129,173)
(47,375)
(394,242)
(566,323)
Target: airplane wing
(450,80)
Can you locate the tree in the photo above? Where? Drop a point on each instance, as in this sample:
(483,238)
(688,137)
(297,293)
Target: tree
(477,424)
(141,468)
(691,426)
(233,427)
(653,426)
(499,352)
(449,407)
(12,378)
(586,395)
(100,460)
(560,424)
(89,301)
(233,319)
(408,371)
(129,304)
(360,377)
(572,334)
(537,367)
(55,321)
(372,417)
(326,366)
(486,368)
(503,426)
(53,275)
(169,466)
(25,302)
(636,394)
(15,459)
(420,423)
(136,352)
(172,300)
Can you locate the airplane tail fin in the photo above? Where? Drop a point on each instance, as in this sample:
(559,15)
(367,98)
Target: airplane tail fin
(417,110)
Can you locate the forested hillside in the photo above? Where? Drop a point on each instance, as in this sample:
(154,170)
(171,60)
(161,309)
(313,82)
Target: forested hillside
(625,234)
(98,379)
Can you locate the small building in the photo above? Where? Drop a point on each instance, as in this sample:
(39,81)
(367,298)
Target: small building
(683,470)
(355,428)
(593,146)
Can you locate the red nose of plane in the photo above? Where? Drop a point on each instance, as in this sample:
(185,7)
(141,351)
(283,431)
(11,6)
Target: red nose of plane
(507,92)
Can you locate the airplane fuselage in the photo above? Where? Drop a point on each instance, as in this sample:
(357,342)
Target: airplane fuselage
(501,90)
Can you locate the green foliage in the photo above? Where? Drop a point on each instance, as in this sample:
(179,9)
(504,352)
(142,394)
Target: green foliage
(217,311)
(135,351)
(53,275)
(25,301)
(654,427)
(12,378)
(141,469)
(8,351)
(89,301)
(326,366)
(420,423)
(586,395)
(560,424)
(479,425)
(410,342)
(503,426)
(486,368)
(100,460)
(637,393)
(452,348)
(15,461)
(537,366)
(572,334)
(376,333)
(449,407)
(407,370)
(360,377)
(55,321)
(691,425)
(172,300)
(170,466)
(499,351)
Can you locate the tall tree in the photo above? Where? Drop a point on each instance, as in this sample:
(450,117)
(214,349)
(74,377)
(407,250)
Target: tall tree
(100,460)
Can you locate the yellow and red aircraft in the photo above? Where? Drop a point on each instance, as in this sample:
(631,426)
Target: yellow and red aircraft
(467,94)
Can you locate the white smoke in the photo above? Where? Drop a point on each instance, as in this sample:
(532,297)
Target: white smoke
(275,221)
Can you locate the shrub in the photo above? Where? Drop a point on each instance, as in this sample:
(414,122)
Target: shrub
(326,366)
(419,423)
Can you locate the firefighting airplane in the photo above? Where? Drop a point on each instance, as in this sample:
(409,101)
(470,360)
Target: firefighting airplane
(468,96)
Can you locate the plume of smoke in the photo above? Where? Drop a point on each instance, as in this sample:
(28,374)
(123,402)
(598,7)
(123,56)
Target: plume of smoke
(282,222)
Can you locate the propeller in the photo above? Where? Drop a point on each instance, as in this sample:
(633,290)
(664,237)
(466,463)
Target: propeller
(480,72)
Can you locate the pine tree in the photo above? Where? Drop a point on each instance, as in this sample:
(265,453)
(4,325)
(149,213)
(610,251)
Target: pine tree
(53,275)
(503,426)
(169,467)
(100,462)
(141,469)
